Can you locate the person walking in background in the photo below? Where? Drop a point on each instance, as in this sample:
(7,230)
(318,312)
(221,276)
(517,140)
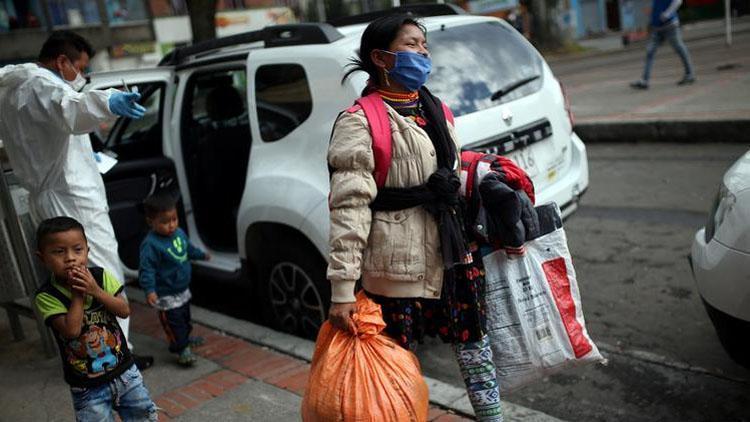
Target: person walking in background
(165,274)
(665,25)
(44,125)
(405,238)
(80,304)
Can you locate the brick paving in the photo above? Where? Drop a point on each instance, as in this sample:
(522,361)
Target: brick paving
(240,361)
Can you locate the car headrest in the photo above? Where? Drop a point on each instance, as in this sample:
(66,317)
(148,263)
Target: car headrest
(224,102)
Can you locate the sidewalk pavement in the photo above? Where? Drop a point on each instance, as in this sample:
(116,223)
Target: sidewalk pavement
(244,372)
(611,42)
(715,108)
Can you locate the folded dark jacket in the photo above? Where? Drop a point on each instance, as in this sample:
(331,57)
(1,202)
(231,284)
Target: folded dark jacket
(508,215)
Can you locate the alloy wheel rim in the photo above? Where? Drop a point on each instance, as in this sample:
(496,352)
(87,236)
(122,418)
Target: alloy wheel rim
(295,300)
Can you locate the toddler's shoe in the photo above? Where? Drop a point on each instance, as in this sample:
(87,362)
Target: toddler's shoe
(187,358)
(196,341)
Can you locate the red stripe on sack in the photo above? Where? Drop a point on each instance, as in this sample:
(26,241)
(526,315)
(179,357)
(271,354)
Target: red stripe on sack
(557,277)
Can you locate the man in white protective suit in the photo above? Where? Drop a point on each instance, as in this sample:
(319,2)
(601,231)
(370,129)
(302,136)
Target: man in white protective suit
(44,126)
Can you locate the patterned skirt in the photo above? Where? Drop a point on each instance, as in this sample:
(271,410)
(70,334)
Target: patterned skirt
(457,317)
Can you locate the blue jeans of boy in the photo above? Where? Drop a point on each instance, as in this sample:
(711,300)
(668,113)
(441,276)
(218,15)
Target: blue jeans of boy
(126,394)
(672,34)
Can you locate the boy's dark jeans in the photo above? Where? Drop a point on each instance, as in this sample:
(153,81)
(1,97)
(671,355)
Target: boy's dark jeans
(177,326)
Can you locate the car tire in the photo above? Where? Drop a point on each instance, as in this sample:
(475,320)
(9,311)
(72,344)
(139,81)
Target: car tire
(294,292)
(734,334)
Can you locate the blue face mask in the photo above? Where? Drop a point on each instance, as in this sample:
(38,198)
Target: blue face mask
(410,70)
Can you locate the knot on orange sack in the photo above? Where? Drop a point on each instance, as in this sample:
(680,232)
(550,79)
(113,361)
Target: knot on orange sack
(368,318)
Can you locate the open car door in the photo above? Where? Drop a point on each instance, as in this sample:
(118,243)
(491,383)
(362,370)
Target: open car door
(142,167)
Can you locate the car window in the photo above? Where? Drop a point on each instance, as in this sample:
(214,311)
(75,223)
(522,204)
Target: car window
(472,62)
(283,99)
(215,100)
(140,138)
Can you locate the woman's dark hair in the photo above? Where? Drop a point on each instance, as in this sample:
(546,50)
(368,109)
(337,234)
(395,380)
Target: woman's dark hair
(65,42)
(55,225)
(379,35)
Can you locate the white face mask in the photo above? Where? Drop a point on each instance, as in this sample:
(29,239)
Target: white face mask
(78,82)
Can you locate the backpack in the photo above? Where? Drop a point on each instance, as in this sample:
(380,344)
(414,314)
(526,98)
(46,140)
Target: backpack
(380,130)
(474,165)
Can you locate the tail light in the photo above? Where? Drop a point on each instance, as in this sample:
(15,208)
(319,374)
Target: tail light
(568,110)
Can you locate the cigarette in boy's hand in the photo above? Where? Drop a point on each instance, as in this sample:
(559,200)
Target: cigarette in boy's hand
(124,84)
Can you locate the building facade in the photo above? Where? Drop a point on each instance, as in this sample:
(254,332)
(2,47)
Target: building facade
(25,24)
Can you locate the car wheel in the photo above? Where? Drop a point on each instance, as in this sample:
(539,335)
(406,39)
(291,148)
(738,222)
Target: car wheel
(734,334)
(295,293)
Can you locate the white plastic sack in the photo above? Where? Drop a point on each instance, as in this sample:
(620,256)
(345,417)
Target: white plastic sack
(534,316)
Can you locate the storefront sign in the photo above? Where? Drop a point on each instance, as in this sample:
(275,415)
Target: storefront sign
(481,7)
(235,22)
(132,49)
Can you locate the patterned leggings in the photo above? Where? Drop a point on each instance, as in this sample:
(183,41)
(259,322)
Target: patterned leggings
(478,372)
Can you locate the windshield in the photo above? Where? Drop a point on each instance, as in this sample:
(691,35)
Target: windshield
(472,62)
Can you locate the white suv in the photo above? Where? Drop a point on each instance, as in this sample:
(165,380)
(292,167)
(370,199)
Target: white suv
(240,125)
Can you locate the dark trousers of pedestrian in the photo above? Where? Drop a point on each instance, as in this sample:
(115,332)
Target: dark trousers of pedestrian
(177,326)
(673,35)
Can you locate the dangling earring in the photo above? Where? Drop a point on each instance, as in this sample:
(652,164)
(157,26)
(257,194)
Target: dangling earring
(385,77)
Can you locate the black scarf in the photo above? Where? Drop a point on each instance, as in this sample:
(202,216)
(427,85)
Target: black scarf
(440,195)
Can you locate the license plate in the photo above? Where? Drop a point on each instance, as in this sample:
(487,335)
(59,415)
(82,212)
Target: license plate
(525,159)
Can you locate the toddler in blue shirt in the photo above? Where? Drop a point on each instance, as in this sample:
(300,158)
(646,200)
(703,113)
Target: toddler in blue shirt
(165,273)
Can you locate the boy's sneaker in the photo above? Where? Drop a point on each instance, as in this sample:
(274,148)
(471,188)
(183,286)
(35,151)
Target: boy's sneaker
(639,84)
(143,362)
(196,341)
(187,358)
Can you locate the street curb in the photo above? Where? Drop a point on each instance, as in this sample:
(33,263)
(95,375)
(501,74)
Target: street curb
(441,394)
(680,131)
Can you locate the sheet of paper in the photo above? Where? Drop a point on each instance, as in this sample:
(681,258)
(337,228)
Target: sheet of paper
(104,162)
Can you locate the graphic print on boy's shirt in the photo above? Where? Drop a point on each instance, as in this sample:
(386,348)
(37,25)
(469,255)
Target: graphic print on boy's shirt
(100,352)
(165,267)
(178,250)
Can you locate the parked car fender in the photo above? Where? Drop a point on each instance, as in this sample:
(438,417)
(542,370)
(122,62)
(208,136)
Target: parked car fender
(285,201)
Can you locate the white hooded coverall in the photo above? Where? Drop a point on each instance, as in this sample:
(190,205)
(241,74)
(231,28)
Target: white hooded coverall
(44,126)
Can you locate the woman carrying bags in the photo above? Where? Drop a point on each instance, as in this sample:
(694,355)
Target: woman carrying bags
(406,239)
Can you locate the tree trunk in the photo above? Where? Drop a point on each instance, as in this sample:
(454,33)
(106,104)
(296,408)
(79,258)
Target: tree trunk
(546,30)
(202,19)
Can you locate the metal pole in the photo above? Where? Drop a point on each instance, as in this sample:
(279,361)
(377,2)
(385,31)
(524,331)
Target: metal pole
(728,20)
(23,257)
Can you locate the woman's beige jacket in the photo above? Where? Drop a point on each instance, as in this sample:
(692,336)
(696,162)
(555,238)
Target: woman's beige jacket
(396,253)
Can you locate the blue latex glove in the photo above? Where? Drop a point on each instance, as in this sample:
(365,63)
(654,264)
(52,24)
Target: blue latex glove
(124,104)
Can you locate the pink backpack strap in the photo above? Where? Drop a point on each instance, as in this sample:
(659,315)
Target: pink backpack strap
(469,161)
(448,114)
(380,130)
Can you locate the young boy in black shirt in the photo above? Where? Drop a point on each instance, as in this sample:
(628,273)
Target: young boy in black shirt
(81,305)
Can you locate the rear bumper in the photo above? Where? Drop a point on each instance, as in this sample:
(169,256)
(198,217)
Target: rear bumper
(567,190)
(722,275)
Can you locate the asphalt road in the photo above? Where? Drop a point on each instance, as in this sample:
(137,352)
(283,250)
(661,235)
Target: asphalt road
(629,241)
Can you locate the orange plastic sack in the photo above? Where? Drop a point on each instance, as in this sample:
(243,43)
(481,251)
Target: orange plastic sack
(366,377)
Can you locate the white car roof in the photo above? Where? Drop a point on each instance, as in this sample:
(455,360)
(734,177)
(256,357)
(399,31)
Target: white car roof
(350,40)
(431,23)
